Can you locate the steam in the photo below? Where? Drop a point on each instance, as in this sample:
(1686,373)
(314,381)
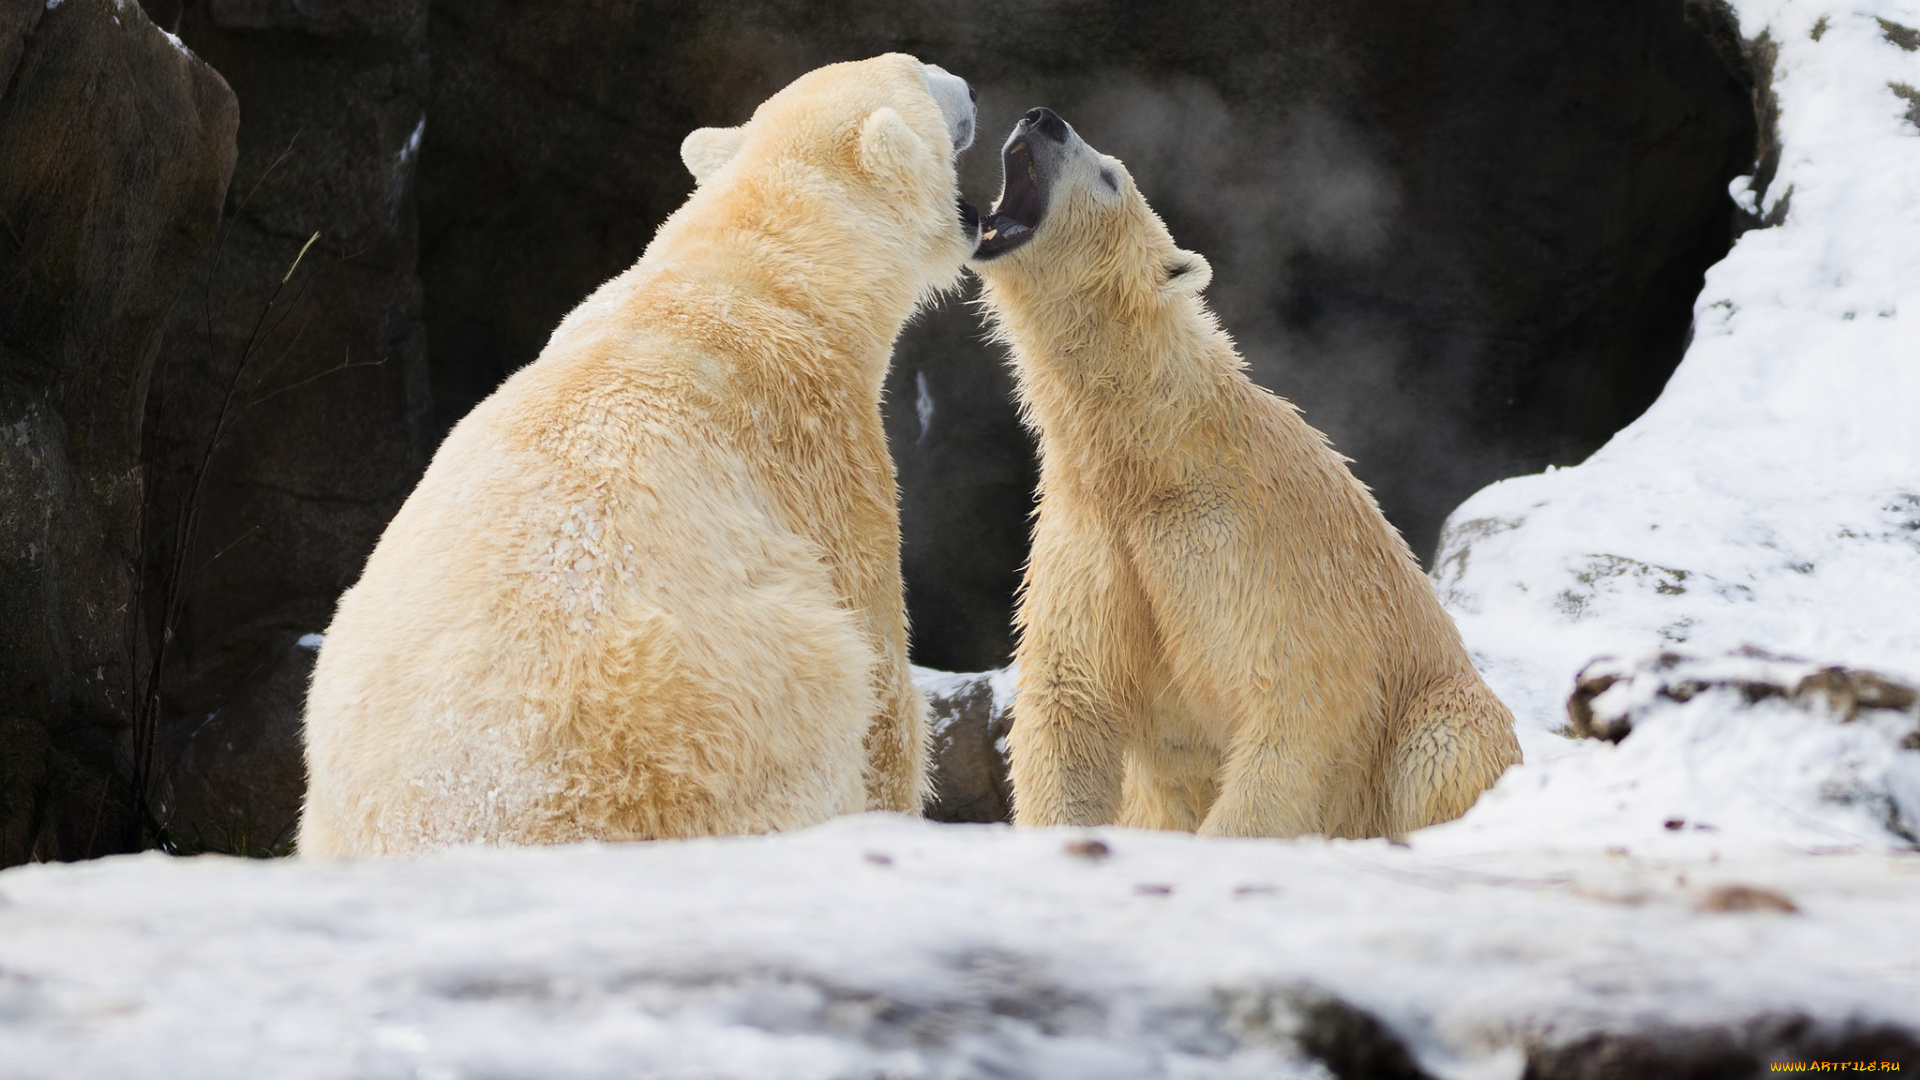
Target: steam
(1299,214)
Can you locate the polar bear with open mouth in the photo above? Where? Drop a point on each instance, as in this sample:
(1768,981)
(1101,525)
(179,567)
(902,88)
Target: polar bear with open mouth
(1219,630)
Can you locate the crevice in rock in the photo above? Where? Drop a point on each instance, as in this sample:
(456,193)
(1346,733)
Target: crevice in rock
(1750,62)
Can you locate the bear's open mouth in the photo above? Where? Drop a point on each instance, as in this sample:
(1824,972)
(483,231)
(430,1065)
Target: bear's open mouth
(1023,202)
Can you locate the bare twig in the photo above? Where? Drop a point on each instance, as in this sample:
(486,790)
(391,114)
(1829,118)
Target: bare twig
(297,258)
(179,570)
(334,370)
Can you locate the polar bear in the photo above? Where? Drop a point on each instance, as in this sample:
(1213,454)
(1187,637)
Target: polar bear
(1219,631)
(651,586)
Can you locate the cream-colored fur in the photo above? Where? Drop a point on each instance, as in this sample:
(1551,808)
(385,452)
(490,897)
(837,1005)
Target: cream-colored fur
(1219,630)
(651,587)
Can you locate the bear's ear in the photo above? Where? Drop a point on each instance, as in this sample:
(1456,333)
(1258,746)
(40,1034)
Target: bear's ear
(888,147)
(1188,272)
(707,150)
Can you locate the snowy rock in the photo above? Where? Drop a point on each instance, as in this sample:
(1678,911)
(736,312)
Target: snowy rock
(1609,695)
(970,716)
(1745,749)
(1771,497)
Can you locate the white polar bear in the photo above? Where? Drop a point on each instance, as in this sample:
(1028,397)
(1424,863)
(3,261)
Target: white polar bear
(651,587)
(1219,630)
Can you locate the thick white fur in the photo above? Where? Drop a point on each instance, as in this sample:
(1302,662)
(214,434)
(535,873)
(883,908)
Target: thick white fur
(651,587)
(1219,630)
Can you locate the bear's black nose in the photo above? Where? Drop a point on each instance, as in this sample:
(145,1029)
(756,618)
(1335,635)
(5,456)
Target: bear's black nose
(1048,123)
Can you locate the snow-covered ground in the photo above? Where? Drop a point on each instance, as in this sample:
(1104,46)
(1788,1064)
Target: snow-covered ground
(1744,856)
(878,947)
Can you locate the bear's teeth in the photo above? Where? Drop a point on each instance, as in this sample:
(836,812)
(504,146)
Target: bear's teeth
(989,234)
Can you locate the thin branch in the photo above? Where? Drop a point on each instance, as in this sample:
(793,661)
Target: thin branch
(297,258)
(236,542)
(180,564)
(344,366)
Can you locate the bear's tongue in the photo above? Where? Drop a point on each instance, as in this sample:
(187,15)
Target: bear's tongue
(1013,219)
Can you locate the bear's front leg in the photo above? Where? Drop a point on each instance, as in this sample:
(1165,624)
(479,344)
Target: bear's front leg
(896,738)
(1266,791)
(1085,652)
(868,567)
(896,772)
(841,497)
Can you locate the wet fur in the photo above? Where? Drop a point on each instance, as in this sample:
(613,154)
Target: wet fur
(1219,631)
(651,587)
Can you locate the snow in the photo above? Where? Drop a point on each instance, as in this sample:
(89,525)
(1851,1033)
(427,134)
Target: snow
(403,163)
(1712,774)
(1772,494)
(880,946)
(1760,523)
(412,146)
(933,683)
(1003,682)
(1770,498)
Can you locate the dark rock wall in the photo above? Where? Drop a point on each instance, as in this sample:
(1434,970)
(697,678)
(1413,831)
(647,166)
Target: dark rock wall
(328,427)
(115,152)
(1464,236)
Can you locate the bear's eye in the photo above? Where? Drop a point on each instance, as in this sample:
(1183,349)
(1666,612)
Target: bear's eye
(1108,178)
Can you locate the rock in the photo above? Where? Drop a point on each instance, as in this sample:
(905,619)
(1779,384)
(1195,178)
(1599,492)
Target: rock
(970,720)
(1912,97)
(1736,897)
(1090,849)
(1691,1053)
(116,148)
(1904,37)
(238,776)
(1609,695)
(1746,743)
(329,428)
(1466,237)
